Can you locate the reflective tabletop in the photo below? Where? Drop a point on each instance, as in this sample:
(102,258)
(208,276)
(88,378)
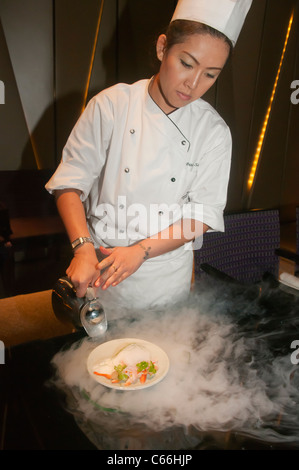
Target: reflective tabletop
(233,381)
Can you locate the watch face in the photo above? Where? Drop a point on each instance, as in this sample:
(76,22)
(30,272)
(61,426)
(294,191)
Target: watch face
(77,242)
(81,241)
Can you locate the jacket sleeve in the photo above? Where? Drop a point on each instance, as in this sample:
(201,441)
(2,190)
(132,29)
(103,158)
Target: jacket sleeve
(208,195)
(85,152)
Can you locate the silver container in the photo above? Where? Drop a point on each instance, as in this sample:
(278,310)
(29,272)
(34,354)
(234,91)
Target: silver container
(86,312)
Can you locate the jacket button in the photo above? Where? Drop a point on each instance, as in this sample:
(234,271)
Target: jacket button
(173,180)
(127,170)
(183,142)
(132,131)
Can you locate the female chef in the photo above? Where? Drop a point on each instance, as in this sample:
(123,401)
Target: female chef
(146,168)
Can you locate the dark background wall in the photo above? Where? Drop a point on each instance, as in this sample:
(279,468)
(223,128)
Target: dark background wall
(56,54)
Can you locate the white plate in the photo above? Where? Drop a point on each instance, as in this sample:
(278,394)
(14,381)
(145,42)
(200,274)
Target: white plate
(109,349)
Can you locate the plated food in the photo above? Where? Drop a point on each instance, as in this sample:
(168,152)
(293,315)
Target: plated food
(128,364)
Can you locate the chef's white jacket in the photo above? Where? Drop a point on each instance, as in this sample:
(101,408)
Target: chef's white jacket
(139,170)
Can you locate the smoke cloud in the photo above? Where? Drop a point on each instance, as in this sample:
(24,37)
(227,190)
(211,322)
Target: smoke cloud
(230,374)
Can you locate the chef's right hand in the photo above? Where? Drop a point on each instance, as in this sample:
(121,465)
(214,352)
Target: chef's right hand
(82,269)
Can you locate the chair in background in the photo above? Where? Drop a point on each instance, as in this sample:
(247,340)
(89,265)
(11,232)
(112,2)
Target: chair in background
(246,250)
(292,254)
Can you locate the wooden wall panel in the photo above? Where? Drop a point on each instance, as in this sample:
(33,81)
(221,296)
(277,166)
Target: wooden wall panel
(290,178)
(27,38)
(74,35)
(267,188)
(236,94)
(51,46)
(13,128)
(139,25)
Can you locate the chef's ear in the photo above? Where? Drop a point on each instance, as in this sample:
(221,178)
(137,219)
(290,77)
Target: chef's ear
(161,46)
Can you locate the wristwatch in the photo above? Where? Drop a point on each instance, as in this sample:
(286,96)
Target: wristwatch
(80,241)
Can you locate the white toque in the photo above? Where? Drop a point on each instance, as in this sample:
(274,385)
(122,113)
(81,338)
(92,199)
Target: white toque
(227,16)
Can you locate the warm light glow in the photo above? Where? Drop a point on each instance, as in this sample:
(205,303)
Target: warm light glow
(93,55)
(265,124)
(33,145)
(35,152)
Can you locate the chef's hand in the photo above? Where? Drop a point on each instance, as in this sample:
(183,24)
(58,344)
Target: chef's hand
(82,270)
(120,263)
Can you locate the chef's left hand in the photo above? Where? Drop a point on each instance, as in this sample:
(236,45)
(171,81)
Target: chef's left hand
(120,263)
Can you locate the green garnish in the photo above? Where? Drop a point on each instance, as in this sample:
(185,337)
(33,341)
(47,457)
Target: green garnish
(141,366)
(119,369)
(152,369)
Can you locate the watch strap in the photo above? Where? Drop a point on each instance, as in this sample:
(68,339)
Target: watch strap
(80,241)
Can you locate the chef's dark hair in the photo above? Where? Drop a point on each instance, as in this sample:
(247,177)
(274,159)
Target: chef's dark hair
(179,30)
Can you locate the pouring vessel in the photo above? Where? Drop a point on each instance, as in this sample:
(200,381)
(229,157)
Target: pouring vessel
(86,312)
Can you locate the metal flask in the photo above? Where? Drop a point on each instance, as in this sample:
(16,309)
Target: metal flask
(86,312)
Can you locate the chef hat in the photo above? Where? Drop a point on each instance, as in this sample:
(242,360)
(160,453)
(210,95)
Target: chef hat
(227,16)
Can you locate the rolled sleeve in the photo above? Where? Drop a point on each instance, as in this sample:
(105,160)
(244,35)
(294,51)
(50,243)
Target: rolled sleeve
(208,196)
(84,154)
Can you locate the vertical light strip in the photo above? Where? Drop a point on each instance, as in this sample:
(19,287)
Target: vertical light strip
(93,55)
(32,141)
(35,152)
(266,120)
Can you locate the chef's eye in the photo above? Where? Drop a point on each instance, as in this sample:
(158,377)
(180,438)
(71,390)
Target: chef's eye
(211,75)
(185,64)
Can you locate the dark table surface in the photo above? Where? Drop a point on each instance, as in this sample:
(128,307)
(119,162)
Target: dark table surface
(33,415)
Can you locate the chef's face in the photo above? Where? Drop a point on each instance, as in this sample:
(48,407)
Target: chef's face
(187,70)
